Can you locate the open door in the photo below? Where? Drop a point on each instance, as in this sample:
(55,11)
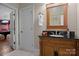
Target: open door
(12,29)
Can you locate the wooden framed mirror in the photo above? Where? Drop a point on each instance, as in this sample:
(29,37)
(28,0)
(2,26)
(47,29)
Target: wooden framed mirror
(56,16)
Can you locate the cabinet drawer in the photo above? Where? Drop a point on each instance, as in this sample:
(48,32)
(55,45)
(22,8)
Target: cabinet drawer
(67,52)
(59,43)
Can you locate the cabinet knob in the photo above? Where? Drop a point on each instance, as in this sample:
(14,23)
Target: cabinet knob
(21,31)
(55,53)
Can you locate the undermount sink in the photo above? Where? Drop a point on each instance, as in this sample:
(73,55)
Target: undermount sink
(56,35)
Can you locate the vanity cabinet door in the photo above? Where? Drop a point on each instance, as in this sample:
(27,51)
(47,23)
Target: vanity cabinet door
(77,52)
(77,48)
(77,44)
(48,51)
(67,52)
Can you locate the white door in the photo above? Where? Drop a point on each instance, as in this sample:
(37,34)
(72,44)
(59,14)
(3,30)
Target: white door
(26,33)
(12,30)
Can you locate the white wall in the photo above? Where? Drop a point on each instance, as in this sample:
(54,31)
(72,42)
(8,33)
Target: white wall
(72,17)
(77,21)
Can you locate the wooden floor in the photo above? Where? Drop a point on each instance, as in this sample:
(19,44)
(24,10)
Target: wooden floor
(5,47)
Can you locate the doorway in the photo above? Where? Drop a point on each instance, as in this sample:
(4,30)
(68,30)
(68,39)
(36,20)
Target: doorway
(7,29)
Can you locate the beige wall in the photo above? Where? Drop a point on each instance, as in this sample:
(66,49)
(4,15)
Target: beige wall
(38,29)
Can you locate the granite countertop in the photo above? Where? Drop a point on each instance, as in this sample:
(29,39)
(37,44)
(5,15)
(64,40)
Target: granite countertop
(58,37)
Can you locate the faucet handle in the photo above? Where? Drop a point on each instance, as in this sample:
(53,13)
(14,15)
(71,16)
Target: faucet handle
(52,33)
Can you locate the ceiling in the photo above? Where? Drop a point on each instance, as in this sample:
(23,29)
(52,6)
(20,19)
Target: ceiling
(4,10)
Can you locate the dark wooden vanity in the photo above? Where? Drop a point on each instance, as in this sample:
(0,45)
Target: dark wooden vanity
(55,46)
(65,43)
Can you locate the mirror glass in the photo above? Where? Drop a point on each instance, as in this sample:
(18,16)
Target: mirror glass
(56,16)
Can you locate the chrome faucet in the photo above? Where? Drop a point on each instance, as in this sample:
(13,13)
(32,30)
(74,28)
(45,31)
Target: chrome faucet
(56,32)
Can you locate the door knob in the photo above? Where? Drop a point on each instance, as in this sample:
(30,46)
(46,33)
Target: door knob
(21,31)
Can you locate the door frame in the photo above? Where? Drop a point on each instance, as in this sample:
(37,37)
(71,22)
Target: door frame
(16,22)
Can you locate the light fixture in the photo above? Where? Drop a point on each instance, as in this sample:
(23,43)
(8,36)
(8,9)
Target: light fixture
(40,18)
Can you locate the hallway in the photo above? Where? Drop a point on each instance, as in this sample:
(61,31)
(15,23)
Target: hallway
(5,47)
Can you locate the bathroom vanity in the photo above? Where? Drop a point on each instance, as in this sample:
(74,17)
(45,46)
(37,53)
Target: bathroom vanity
(57,46)
(61,41)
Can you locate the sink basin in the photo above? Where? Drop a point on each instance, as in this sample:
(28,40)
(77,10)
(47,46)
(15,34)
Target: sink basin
(56,35)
